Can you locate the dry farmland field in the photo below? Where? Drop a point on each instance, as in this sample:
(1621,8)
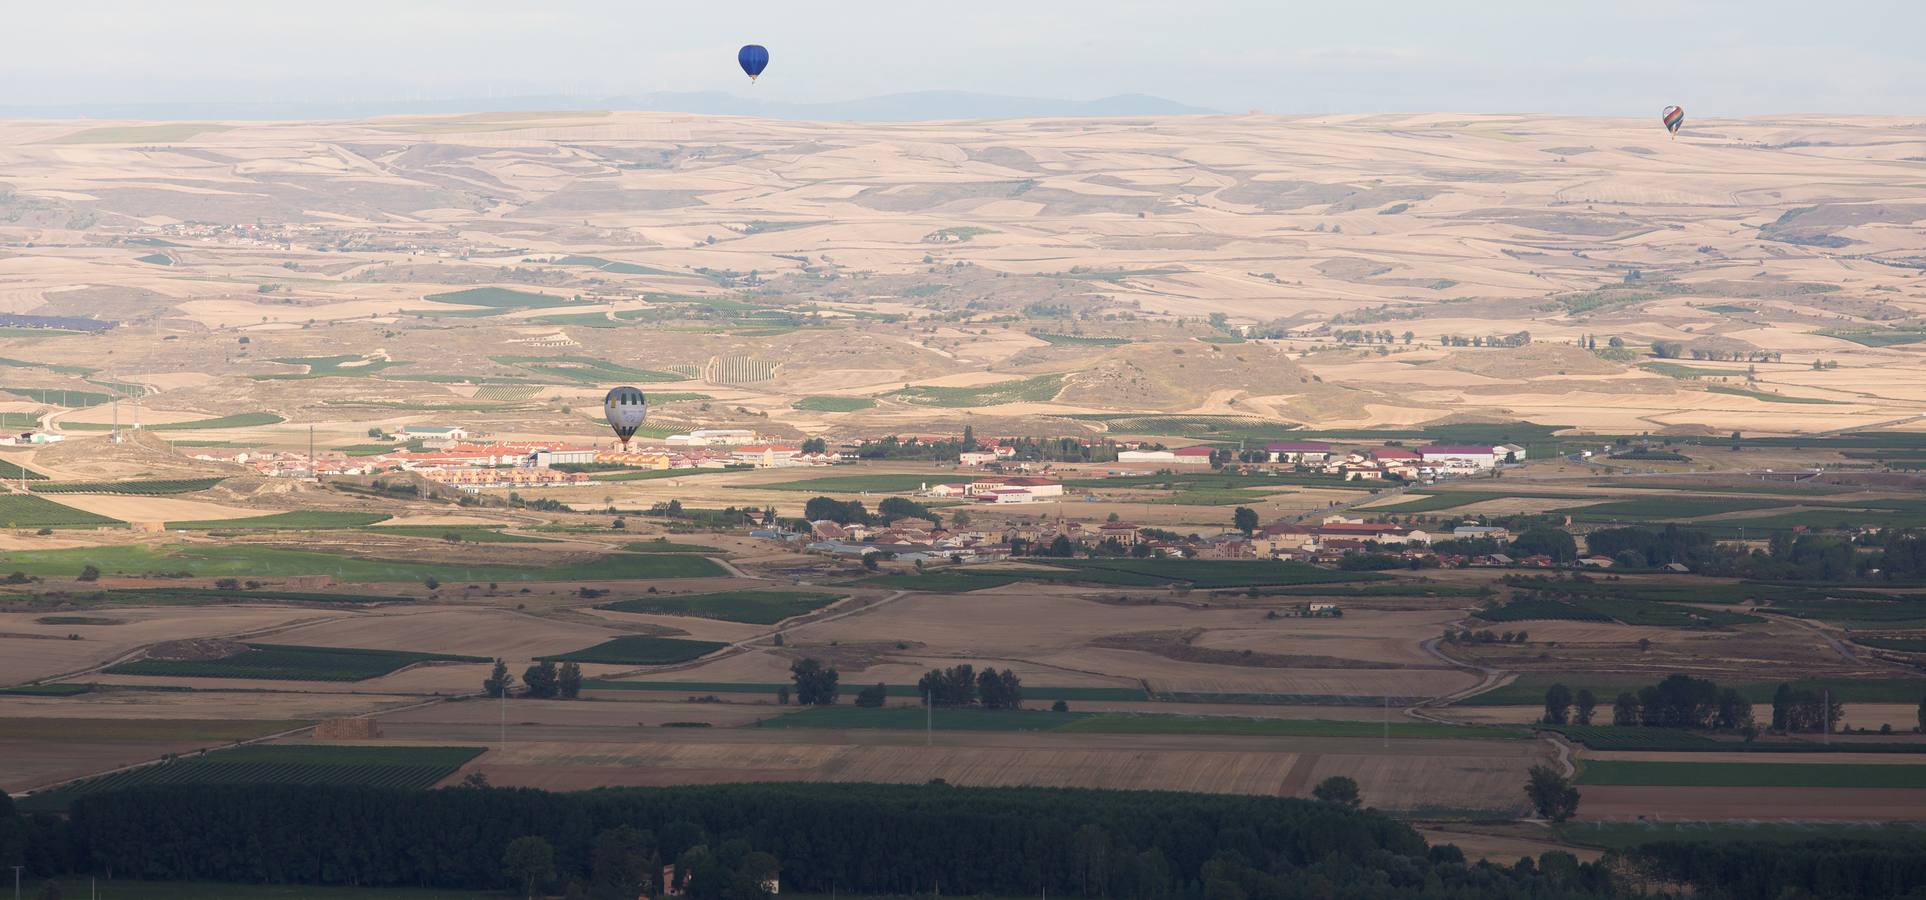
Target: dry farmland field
(1706,351)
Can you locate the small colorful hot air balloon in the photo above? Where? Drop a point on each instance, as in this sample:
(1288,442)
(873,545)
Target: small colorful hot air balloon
(626,410)
(1673,117)
(753,58)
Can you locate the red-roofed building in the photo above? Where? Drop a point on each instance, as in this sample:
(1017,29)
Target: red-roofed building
(1192,456)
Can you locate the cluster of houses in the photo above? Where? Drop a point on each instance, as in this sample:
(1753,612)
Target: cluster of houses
(1419,464)
(449,455)
(1327,542)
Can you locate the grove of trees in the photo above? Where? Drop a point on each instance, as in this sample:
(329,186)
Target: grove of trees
(853,838)
(815,683)
(962,685)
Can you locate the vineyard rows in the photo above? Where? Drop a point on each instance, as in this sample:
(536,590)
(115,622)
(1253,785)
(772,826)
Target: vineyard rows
(147,488)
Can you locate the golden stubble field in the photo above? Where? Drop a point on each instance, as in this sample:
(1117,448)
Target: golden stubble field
(934,254)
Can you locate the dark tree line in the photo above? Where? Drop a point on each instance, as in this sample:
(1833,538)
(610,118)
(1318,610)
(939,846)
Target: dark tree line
(543,680)
(1758,870)
(1681,701)
(1562,707)
(852,512)
(816,684)
(1895,554)
(962,685)
(1804,709)
(870,839)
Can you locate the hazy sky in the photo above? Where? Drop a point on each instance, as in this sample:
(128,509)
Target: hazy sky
(1620,57)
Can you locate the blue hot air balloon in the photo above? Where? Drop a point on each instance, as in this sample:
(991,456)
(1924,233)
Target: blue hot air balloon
(754,58)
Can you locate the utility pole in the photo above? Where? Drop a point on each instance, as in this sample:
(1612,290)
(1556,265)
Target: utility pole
(16,882)
(312,471)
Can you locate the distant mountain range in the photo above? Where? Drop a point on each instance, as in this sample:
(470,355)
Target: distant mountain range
(910,107)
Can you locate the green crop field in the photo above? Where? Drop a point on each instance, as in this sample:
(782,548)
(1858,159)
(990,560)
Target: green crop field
(256,561)
(62,398)
(663,545)
(57,689)
(584,369)
(854,484)
(122,889)
(1427,501)
(619,268)
(1880,338)
(289,662)
(698,688)
(825,403)
(239,420)
(14,472)
(1205,574)
(1422,502)
(1404,588)
(1218,573)
(174,596)
(480,534)
(1698,486)
(1626,835)
(1862,614)
(1587,608)
(28,511)
(1078,340)
(1905,645)
(1121,723)
(1646,509)
(1689,774)
(1764,395)
(912,718)
(1529,689)
(953,581)
(1040,389)
(347,365)
(640,650)
(753,607)
(51,367)
(1679,371)
(497,299)
(1217,481)
(153,487)
(300,519)
(1226,427)
(413,768)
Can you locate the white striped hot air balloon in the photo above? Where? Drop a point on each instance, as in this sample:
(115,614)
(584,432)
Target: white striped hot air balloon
(626,409)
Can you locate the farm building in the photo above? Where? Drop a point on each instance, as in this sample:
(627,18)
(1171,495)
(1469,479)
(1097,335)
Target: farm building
(1298,451)
(713,437)
(1193,456)
(1460,456)
(564,456)
(433,435)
